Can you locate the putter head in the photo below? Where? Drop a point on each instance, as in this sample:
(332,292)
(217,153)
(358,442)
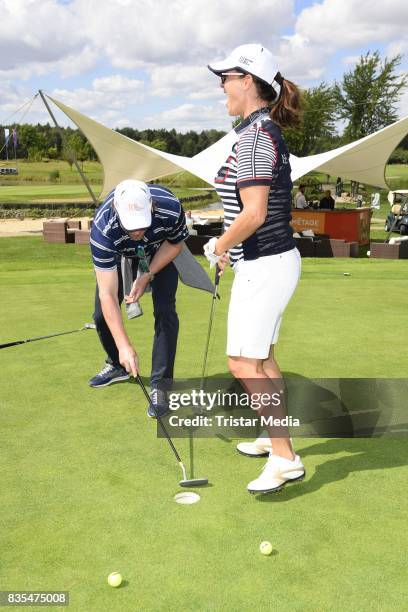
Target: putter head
(89,326)
(193,482)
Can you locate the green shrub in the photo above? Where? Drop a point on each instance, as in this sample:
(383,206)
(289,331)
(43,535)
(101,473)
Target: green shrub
(399,156)
(34,154)
(54,176)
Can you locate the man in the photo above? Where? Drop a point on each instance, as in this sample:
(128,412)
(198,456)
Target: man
(142,222)
(339,187)
(327,201)
(300,200)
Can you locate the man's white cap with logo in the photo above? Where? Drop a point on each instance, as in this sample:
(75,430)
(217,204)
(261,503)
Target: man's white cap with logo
(254,59)
(133,203)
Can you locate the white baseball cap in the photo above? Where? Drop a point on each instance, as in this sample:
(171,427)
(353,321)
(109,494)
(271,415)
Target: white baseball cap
(133,203)
(254,59)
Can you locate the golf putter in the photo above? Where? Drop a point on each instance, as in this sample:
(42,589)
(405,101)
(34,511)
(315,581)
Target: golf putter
(207,344)
(185,482)
(16,342)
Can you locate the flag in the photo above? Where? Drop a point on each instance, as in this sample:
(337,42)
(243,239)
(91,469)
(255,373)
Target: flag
(15,138)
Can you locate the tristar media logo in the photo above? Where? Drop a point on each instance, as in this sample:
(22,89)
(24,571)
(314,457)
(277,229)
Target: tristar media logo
(245,60)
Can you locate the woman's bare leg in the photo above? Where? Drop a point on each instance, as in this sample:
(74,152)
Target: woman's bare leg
(281,446)
(257,379)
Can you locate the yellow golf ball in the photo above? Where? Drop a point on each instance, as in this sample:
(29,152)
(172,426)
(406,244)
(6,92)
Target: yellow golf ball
(115,579)
(265,548)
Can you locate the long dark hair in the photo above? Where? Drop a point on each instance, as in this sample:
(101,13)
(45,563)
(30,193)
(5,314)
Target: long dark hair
(286,109)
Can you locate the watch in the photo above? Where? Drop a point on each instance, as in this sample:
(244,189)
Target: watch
(151,276)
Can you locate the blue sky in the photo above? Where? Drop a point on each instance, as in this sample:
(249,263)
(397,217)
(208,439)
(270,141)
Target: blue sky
(143,62)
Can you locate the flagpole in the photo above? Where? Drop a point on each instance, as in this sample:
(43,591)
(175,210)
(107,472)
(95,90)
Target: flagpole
(15,146)
(87,185)
(6,135)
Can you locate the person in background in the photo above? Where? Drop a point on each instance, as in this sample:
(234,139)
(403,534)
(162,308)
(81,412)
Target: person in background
(327,201)
(339,187)
(300,199)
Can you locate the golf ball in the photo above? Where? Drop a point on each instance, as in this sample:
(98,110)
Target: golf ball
(265,548)
(115,579)
(346,273)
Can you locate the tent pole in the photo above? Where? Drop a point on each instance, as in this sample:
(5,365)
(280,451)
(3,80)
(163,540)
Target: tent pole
(86,182)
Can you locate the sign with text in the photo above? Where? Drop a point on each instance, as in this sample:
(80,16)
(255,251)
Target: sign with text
(308,220)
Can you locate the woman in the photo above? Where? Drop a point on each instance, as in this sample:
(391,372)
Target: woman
(255,187)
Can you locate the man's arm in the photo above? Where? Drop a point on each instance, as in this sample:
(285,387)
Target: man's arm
(108,294)
(163,256)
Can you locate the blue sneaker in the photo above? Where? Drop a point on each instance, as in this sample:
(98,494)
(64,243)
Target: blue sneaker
(159,400)
(108,375)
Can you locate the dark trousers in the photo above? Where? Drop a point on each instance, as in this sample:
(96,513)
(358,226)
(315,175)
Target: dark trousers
(166,326)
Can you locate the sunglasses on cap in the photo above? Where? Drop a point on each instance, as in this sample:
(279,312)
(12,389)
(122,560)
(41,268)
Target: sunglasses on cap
(223,76)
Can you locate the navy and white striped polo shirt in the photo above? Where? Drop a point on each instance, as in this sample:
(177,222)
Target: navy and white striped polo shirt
(109,241)
(258,157)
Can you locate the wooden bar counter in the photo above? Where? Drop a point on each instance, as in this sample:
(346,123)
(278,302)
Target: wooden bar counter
(352,225)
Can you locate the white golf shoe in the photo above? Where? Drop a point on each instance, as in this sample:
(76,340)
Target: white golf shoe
(260,448)
(276,473)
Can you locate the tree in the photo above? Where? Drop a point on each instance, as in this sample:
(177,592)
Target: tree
(156,144)
(317,131)
(367,95)
(73,148)
(52,152)
(89,151)
(32,142)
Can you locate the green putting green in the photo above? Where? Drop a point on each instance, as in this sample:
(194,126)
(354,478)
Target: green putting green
(87,488)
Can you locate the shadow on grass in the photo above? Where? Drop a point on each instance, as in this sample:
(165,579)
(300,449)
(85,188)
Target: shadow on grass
(365,455)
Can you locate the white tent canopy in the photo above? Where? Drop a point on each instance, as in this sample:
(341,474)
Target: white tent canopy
(123,158)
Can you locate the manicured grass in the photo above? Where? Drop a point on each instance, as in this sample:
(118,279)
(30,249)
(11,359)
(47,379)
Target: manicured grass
(87,487)
(43,193)
(397,176)
(40,172)
(33,185)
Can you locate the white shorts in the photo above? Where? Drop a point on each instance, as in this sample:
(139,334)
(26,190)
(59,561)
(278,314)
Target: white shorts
(260,293)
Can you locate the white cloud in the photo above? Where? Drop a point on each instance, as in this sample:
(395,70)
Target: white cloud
(334,25)
(173,42)
(11,99)
(192,117)
(402,105)
(350,60)
(77,63)
(38,31)
(343,23)
(43,36)
(298,60)
(193,82)
(106,101)
(399,47)
(123,122)
(117,84)
(159,32)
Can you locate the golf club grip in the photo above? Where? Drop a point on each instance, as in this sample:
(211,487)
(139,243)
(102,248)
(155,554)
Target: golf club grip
(164,430)
(217,275)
